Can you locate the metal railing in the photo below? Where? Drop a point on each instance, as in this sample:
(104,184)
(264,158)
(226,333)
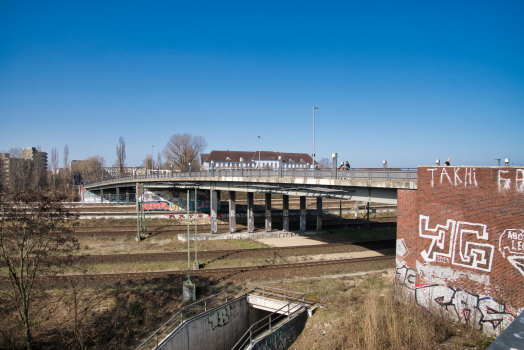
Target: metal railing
(364,173)
(272,321)
(212,302)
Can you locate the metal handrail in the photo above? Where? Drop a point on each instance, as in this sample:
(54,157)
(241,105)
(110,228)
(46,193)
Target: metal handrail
(203,306)
(361,173)
(252,333)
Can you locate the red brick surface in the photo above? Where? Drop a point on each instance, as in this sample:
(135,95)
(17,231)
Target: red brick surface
(482,251)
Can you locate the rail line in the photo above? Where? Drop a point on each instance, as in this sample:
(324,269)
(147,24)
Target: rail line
(208,272)
(377,222)
(215,255)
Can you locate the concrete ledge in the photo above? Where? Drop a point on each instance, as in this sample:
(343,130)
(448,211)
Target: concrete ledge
(246,235)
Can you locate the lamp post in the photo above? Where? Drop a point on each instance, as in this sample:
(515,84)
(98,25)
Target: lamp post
(314,137)
(258,152)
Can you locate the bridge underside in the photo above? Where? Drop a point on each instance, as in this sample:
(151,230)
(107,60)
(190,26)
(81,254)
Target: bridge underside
(377,191)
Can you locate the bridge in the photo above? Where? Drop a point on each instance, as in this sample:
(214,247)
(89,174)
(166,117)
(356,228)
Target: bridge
(363,185)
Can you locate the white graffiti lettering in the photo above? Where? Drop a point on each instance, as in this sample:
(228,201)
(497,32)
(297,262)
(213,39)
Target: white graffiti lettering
(444,172)
(519,181)
(440,236)
(471,251)
(457,178)
(464,242)
(432,175)
(504,183)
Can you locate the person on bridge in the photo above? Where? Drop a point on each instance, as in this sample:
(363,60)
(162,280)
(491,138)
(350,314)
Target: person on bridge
(341,166)
(348,166)
(447,162)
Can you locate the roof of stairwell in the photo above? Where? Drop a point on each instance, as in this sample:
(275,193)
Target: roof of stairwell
(234,156)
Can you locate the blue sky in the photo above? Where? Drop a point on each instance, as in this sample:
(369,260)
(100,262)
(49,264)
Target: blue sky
(406,81)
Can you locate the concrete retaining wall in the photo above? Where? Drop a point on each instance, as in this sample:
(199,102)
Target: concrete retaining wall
(217,329)
(285,335)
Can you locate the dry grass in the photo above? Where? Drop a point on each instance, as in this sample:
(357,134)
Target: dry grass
(362,313)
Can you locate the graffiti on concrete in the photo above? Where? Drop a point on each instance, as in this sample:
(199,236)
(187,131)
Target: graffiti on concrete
(459,243)
(219,318)
(511,245)
(279,339)
(174,201)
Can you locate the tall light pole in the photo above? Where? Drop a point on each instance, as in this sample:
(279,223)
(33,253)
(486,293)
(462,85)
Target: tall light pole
(258,152)
(314,136)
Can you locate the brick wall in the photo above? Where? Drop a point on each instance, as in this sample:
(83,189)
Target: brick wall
(460,244)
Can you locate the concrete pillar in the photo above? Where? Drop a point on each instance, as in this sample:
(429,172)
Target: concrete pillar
(214,211)
(335,164)
(250,212)
(279,166)
(241,167)
(118,196)
(268,212)
(188,292)
(212,168)
(127,197)
(285,213)
(101,196)
(232,212)
(302,213)
(110,197)
(319,213)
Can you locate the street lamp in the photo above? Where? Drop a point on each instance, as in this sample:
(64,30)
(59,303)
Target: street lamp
(258,152)
(314,136)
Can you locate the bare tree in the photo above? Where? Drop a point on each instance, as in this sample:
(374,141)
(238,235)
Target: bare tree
(66,155)
(30,228)
(325,163)
(15,152)
(89,170)
(54,160)
(182,149)
(148,162)
(159,162)
(121,155)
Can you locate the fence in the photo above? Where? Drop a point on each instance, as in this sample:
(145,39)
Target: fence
(365,173)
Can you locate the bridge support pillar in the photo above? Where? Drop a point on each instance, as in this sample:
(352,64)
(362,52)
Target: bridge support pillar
(319,213)
(302,213)
(285,213)
(268,212)
(110,197)
(232,212)
(101,196)
(214,211)
(118,196)
(127,197)
(250,212)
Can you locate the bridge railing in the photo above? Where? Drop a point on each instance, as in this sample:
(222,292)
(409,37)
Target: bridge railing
(362,173)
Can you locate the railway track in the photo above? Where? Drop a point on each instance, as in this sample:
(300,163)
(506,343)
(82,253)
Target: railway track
(221,272)
(208,257)
(223,227)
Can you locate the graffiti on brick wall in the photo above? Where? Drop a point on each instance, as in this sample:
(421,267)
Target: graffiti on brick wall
(511,245)
(454,176)
(505,182)
(459,243)
(465,176)
(401,251)
(461,306)
(434,274)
